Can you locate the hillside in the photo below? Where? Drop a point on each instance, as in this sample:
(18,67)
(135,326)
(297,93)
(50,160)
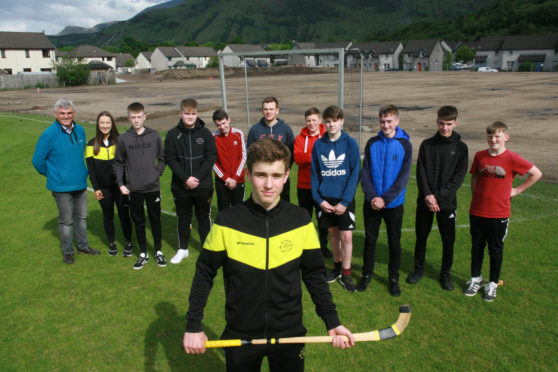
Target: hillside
(257,21)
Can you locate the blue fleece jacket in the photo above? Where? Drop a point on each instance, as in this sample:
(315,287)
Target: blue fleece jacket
(386,168)
(60,157)
(335,169)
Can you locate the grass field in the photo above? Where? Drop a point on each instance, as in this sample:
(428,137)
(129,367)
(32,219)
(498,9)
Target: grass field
(100,315)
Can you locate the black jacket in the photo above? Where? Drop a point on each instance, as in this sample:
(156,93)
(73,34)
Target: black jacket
(264,255)
(441,169)
(190,152)
(99,166)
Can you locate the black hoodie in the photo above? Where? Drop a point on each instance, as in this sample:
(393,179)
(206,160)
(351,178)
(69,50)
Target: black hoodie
(140,158)
(441,169)
(190,152)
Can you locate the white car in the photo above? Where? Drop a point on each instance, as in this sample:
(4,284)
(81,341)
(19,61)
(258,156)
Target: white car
(487,69)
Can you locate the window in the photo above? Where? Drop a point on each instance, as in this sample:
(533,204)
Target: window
(3,53)
(8,71)
(46,53)
(27,53)
(46,70)
(109,58)
(26,70)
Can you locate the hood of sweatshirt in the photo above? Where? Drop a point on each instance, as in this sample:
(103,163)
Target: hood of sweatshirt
(197,125)
(399,133)
(455,137)
(304,131)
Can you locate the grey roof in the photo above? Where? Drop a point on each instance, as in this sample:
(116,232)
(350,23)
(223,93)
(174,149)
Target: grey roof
(121,59)
(241,48)
(377,47)
(85,51)
(196,51)
(24,40)
(531,58)
(453,44)
(415,46)
(489,43)
(530,42)
(147,55)
(169,52)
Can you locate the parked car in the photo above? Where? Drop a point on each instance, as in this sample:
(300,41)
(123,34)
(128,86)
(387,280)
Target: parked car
(487,69)
(262,63)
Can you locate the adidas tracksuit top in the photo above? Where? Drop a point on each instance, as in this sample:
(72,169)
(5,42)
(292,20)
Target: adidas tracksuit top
(386,168)
(335,169)
(264,255)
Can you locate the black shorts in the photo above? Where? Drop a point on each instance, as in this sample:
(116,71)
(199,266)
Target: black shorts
(345,222)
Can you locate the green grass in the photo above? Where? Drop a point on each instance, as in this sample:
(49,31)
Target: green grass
(99,314)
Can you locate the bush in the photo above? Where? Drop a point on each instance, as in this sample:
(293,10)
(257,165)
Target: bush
(527,67)
(71,73)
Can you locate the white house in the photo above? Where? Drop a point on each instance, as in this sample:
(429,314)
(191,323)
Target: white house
(199,56)
(25,52)
(487,51)
(376,56)
(423,55)
(88,54)
(540,50)
(318,60)
(165,58)
(143,62)
(121,60)
(236,61)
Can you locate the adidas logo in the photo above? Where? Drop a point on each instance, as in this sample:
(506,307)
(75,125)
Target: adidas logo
(333,162)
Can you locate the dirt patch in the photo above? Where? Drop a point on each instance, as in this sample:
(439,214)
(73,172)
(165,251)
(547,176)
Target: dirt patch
(519,99)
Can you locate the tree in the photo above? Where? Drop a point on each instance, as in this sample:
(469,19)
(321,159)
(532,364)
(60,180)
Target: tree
(465,54)
(130,62)
(213,62)
(71,72)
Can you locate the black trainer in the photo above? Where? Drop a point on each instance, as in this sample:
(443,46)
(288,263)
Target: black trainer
(68,258)
(363,284)
(347,282)
(414,277)
(112,249)
(127,250)
(394,289)
(160,258)
(333,275)
(446,283)
(142,260)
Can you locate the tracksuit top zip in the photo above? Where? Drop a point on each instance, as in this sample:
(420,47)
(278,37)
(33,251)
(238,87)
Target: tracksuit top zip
(266,287)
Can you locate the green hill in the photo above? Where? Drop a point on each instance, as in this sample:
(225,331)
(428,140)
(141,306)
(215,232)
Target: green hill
(256,21)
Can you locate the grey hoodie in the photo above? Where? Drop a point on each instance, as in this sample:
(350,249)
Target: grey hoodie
(139,160)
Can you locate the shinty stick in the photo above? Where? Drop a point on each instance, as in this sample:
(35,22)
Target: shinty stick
(377,335)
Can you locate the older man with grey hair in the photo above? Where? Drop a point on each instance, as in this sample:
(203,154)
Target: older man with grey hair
(59,155)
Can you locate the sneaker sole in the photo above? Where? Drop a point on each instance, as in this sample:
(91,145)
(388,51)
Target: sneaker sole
(112,254)
(138,268)
(334,280)
(347,289)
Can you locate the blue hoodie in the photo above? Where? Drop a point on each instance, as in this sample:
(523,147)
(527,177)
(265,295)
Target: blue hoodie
(61,158)
(386,168)
(335,169)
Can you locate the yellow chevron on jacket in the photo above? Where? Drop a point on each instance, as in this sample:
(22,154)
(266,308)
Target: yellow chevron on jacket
(251,250)
(104,153)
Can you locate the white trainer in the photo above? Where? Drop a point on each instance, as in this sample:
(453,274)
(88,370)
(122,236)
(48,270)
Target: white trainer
(179,256)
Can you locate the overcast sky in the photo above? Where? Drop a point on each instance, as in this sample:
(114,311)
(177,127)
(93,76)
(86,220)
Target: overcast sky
(51,16)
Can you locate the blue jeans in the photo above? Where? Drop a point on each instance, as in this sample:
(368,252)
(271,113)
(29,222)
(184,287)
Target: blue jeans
(72,215)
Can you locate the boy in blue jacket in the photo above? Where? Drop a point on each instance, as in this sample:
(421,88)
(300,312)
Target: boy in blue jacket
(385,173)
(334,179)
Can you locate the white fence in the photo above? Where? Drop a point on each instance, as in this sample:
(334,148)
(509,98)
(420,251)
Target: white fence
(26,81)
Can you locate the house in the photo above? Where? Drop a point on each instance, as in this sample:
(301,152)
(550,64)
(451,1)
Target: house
(539,50)
(164,58)
(89,53)
(419,55)
(240,61)
(143,62)
(318,60)
(25,52)
(487,51)
(199,56)
(121,61)
(378,56)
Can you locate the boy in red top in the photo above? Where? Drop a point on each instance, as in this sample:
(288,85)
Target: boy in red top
(231,158)
(492,173)
(303,145)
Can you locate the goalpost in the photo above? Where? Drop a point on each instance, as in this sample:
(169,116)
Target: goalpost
(298,78)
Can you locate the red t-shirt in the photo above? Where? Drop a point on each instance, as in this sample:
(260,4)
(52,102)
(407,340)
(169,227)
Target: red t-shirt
(492,198)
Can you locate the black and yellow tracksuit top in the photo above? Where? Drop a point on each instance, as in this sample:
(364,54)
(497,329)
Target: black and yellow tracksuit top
(99,166)
(264,255)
